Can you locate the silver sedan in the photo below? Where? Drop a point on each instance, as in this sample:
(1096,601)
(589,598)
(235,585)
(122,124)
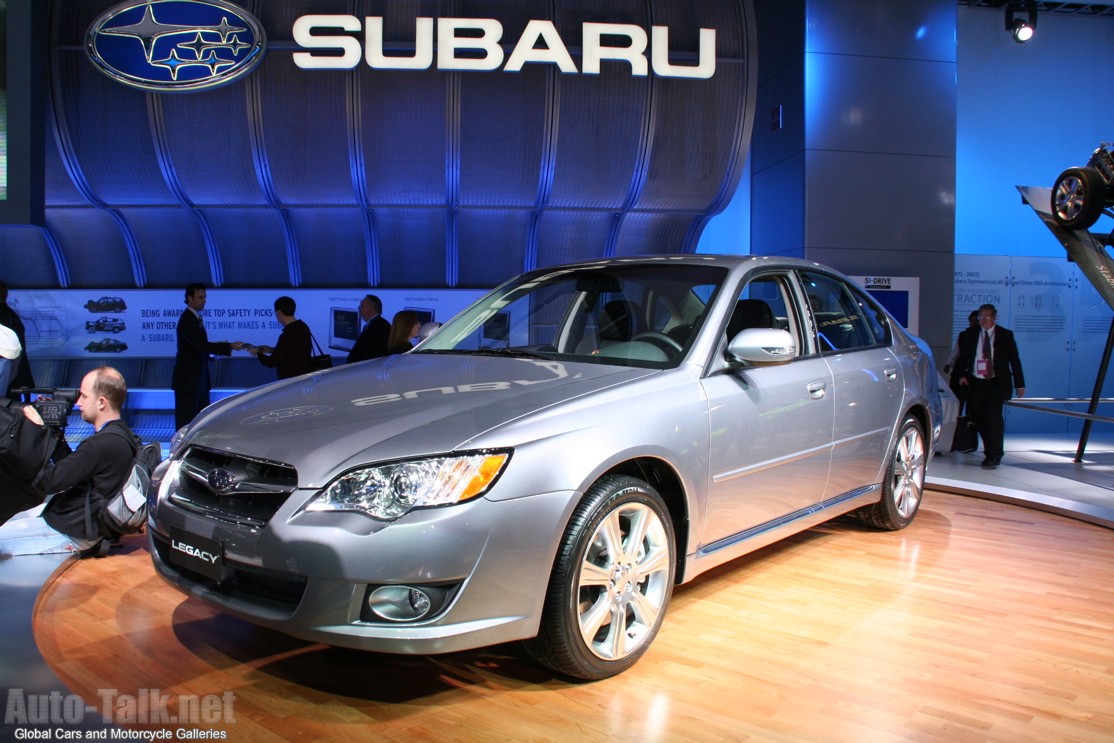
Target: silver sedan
(551,462)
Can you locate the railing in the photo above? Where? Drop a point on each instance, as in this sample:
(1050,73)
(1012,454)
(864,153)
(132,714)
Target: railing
(1090,416)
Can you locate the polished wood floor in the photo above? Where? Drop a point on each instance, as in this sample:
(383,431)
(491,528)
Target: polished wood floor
(981,622)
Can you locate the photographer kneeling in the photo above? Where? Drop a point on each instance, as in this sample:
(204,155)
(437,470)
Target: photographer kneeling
(82,480)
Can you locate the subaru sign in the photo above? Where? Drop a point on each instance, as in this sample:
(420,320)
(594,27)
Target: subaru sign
(167,45)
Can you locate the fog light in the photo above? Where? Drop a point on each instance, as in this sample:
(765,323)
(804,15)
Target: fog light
(399,603)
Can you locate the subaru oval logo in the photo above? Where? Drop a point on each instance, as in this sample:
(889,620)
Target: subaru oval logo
(221,480)
(165,45)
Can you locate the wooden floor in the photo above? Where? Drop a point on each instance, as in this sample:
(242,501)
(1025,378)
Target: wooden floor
(981,622)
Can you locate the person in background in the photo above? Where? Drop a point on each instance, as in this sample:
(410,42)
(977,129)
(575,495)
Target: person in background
(290,355)
(951,367)
(191,381)
(83,480)
(10,352)
(21,375)
(990,369)
(372,341)
(404,328)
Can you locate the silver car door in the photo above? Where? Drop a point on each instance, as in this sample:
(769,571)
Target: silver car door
(868,383)
(770,428)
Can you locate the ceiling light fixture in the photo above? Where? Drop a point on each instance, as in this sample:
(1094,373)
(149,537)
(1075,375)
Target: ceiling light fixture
(1021,19)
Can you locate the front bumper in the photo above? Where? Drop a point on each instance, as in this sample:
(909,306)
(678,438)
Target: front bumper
(308,574)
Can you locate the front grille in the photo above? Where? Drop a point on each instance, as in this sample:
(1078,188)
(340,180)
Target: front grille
(251,492)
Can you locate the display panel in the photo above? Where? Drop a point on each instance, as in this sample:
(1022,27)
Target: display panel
(23,42)
(344,328)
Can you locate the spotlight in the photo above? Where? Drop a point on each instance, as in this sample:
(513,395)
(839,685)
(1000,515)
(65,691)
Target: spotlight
(1021,19)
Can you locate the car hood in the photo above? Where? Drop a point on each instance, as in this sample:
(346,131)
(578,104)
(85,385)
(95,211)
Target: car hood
(400,406)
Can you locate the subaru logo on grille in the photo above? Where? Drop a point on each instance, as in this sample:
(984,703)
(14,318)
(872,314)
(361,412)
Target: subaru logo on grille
(166,45)
(221,480)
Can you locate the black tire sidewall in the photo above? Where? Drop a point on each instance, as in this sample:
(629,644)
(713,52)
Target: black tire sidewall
(607,495)
(1094,198)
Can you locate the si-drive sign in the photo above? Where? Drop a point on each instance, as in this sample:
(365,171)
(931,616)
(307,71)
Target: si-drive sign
(477,44)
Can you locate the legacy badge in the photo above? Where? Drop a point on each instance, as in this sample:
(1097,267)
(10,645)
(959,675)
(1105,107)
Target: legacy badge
(165,45)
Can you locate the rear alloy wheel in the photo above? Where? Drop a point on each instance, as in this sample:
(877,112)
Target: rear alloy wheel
(611,583)
(904,484)
(1078,198)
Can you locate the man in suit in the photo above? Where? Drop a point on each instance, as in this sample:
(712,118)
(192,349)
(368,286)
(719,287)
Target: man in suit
(991,370)
(372,341)
(191,381)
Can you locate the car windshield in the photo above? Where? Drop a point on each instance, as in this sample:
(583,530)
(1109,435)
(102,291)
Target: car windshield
(645,315)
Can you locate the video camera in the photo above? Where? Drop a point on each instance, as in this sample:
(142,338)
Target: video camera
(53,405)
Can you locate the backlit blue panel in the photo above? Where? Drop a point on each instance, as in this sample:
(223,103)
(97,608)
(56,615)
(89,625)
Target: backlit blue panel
(402,136)
(308,153)
(649,232)
(291,177)
(171,244)
(105,262)
(251,244)
(331,243)
(209,145)
(489,242)
(572,235)
(106,132)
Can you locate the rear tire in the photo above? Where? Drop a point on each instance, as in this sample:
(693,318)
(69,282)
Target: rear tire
(611,582)
(903,487)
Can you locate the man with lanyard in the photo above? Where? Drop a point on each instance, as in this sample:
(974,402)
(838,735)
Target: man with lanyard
(991,369)
(82,480)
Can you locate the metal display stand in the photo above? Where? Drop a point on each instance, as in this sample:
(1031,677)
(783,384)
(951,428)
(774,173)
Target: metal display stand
(1088,251)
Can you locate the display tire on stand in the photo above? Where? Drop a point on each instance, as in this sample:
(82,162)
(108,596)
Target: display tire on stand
(1078,198)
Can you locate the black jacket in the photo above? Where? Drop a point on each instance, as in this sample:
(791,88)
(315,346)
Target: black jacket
(97,469)
(1007,363)
(291,355)
(372,342)
(191,363)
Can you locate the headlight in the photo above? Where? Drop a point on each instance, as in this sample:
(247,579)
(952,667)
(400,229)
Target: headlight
(389,491)
(176,439)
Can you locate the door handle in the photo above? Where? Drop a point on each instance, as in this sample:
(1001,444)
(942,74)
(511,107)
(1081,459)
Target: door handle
(891,374)
(817,390)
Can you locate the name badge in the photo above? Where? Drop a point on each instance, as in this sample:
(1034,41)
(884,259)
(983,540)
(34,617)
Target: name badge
(982,367)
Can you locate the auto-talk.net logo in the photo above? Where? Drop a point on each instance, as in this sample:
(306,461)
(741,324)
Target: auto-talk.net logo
(165,45)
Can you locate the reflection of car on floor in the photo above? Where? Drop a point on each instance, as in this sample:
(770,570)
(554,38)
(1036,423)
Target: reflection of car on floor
(108,345)
(1080,194)
(552,461)
(105,324)
(106,304)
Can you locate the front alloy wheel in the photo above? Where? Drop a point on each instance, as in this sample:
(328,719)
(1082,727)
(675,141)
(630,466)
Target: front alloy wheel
(904,484)
(611,583)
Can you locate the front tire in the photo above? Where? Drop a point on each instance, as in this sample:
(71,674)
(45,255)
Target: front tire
(1078,198)
(611,582)
(903,487)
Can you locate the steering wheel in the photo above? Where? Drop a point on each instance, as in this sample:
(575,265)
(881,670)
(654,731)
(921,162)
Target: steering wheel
(667,344)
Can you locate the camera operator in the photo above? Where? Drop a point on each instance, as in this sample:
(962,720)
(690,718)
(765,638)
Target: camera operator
(81,480)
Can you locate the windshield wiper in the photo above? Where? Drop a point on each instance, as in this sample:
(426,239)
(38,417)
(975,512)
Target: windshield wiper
(514,353)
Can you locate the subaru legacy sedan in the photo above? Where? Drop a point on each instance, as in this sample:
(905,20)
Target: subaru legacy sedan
(547,465)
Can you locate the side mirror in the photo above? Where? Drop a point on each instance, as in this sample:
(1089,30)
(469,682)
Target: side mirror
(762,346)
(428,329)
